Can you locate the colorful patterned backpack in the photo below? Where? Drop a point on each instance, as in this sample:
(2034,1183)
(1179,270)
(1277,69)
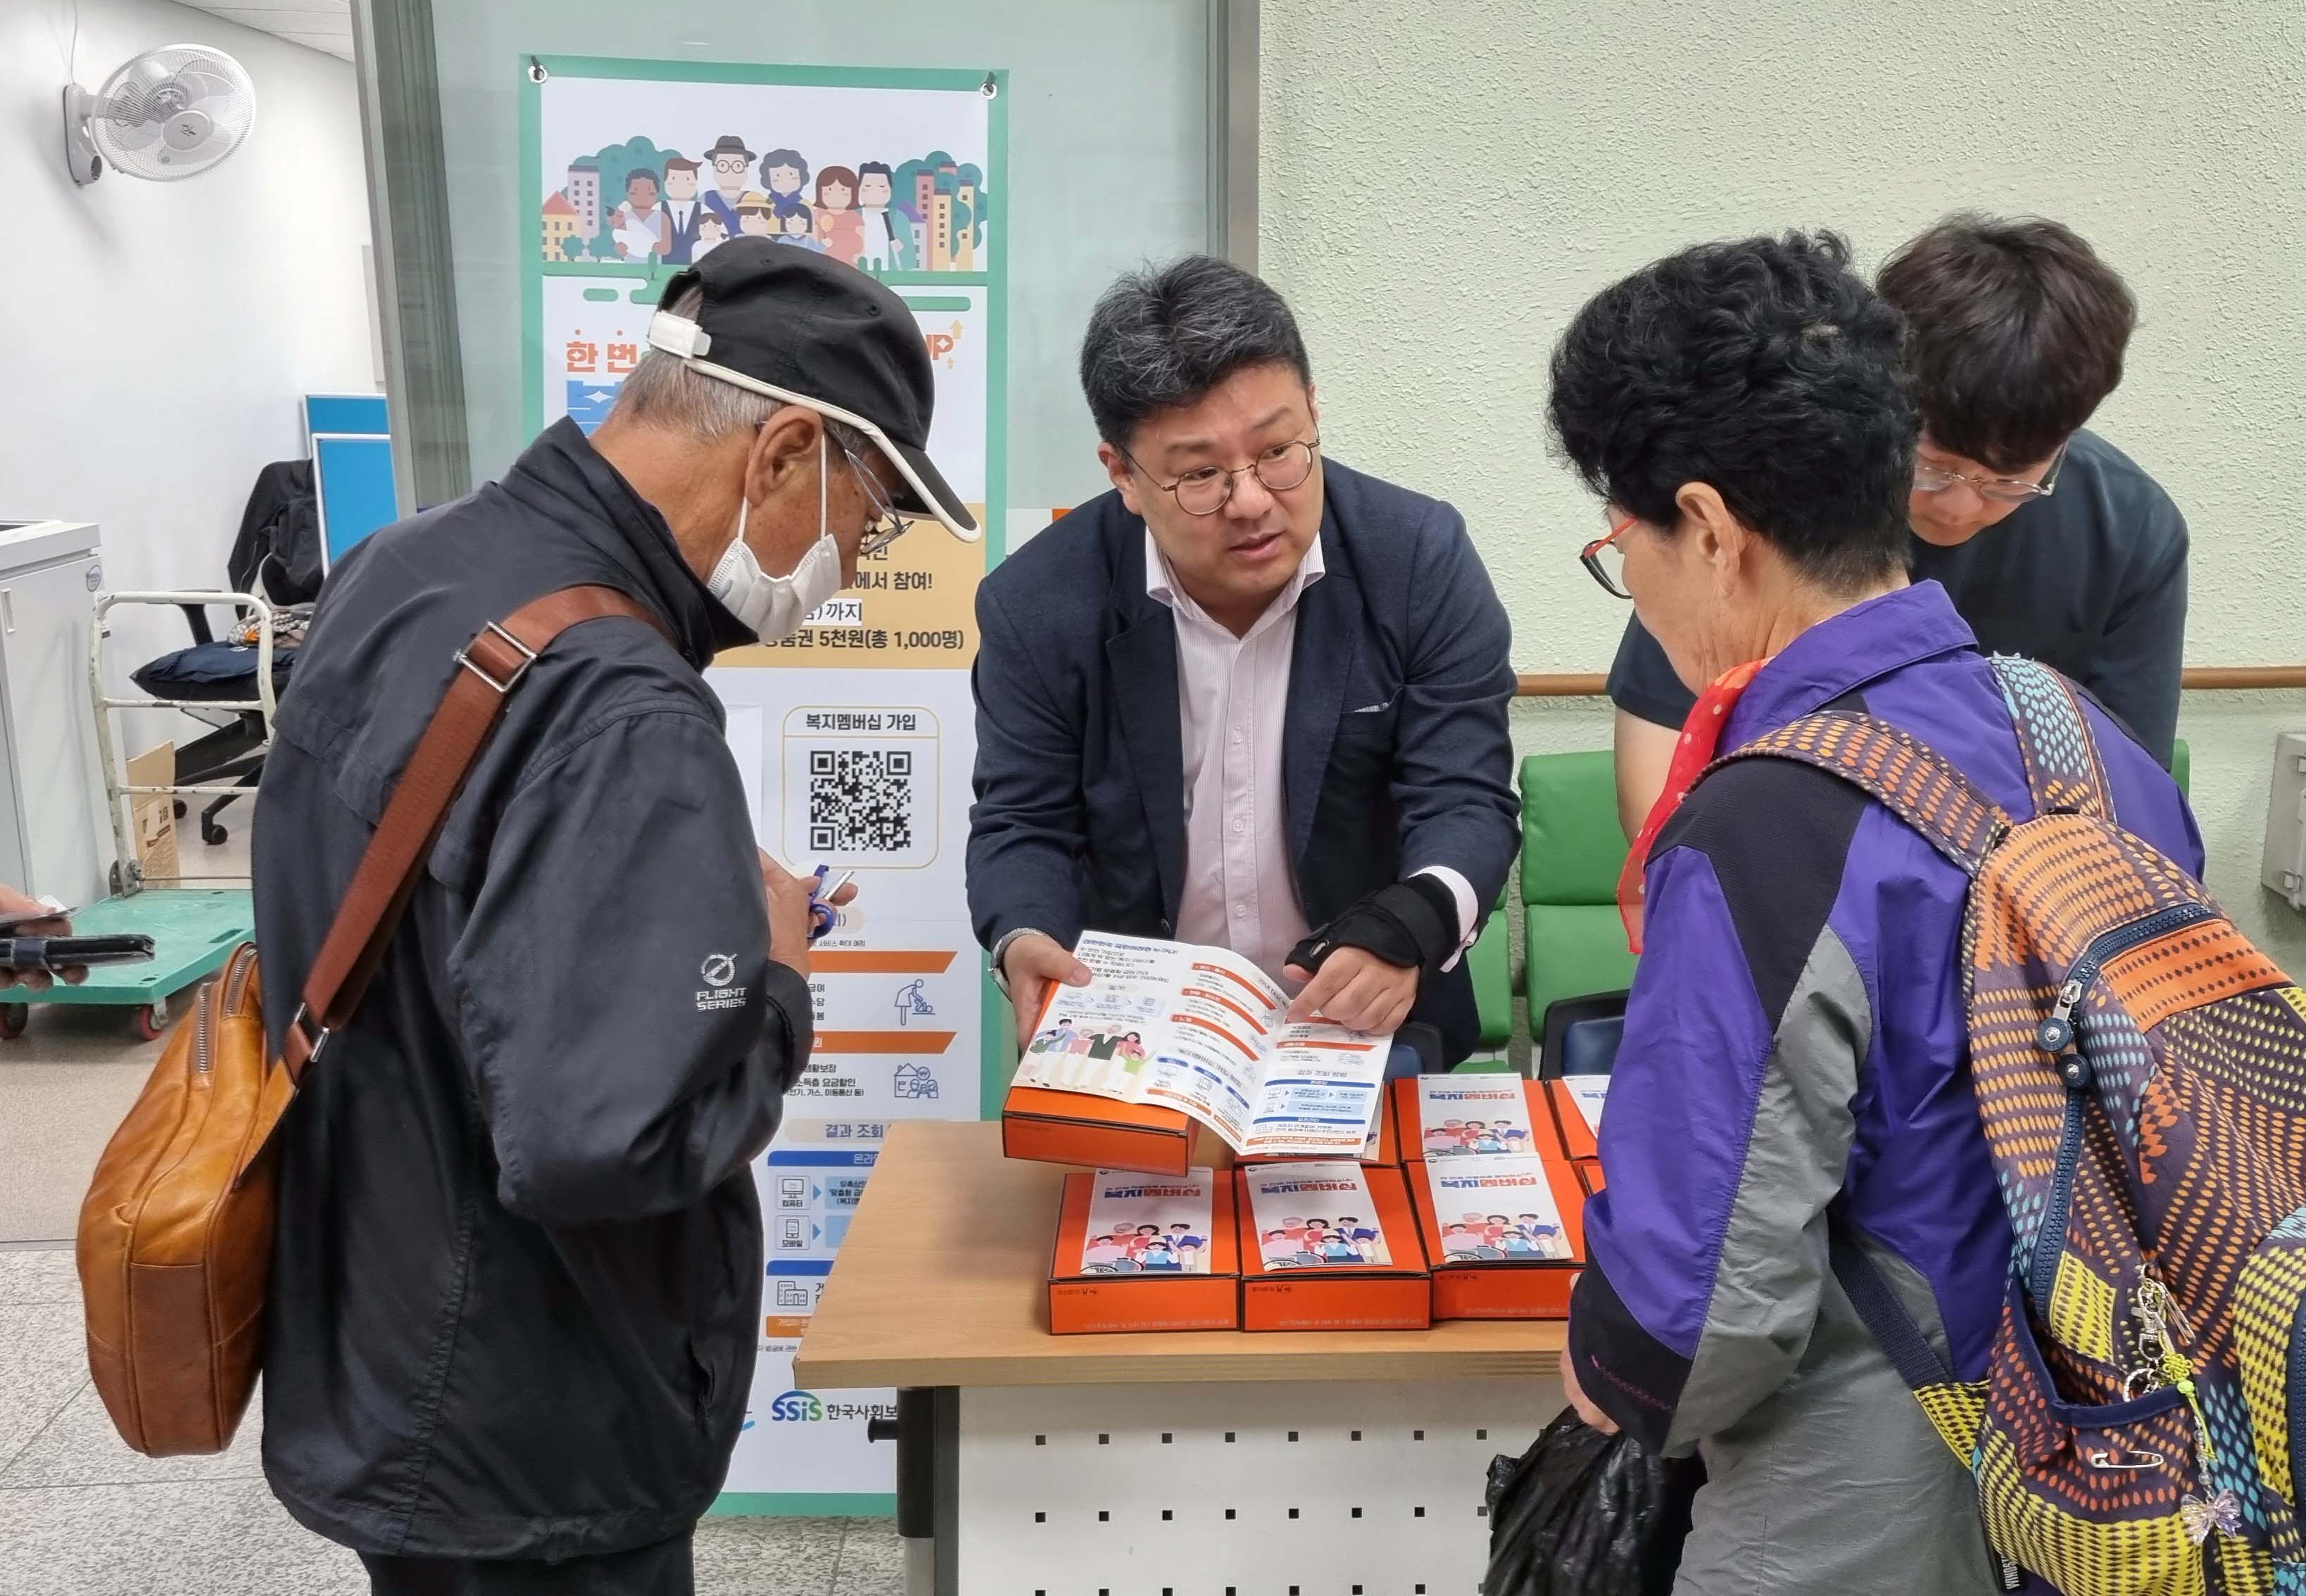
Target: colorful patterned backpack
(2141,1072)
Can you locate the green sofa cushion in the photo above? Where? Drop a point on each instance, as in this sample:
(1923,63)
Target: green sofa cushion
(1491,962)
(1571,848)
(1574,950)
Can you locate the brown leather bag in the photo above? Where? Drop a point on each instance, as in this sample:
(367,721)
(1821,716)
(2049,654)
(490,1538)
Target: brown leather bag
(175,1234)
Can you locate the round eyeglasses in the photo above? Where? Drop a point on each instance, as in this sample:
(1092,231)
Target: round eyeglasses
(1208,490)
(1993,489)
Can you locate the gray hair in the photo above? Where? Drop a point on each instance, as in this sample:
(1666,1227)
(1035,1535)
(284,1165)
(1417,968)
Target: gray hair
(666,391)
(1162,337)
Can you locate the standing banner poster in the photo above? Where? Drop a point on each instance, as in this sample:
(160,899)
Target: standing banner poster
(856,738)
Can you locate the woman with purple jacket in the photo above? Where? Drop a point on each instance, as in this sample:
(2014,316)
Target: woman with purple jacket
(1794,1044)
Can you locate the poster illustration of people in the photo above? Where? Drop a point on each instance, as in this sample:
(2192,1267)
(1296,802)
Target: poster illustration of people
(858,760)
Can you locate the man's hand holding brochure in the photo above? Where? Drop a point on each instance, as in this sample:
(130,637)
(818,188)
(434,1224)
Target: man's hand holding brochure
(1204,1031)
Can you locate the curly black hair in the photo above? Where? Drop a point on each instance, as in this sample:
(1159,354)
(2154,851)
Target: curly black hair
(1765,368)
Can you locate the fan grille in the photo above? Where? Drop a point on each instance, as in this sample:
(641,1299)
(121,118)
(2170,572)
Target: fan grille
(173,112)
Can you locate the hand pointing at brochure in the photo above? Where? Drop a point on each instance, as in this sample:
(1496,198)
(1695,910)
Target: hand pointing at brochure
(1356,989)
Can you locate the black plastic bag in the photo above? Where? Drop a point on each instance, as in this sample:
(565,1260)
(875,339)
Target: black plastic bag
(1587,1513)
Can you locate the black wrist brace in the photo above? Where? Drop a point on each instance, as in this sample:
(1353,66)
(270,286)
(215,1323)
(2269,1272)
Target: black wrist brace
(1412,924)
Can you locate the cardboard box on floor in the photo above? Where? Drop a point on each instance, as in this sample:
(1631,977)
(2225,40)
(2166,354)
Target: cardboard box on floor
(1118,1292)
(153,814)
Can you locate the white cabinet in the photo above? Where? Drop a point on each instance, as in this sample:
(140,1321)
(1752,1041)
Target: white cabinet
(54,838)
(2285,821)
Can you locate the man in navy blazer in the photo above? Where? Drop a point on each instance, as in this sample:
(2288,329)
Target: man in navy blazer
(1249,697)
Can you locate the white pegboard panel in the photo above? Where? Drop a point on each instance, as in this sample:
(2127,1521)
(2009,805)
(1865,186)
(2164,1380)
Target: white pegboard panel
(1301,1489)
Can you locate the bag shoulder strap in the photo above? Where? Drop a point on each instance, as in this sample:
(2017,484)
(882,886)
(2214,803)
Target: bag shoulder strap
(489,667)
(1909,777)
(2063,769)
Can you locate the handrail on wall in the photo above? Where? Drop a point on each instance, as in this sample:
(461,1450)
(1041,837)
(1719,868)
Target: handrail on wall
(2198,679)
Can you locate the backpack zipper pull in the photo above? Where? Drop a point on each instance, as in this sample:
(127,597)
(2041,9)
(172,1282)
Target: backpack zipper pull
(2056,1033)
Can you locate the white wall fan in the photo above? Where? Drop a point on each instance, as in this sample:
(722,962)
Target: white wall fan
(169,113)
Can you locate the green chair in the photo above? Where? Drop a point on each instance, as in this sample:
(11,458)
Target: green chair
(1489,961)
(1571,853)
(2181,766)
(1572,850)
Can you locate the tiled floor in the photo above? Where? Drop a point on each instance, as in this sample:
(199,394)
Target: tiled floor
(69,1078)
(82,1516)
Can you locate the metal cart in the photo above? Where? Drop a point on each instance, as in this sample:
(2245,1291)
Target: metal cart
(193,928)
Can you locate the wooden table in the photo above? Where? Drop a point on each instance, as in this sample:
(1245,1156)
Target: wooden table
(1190,1462)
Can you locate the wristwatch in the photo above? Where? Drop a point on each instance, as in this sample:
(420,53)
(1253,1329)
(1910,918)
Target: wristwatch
(1000,952)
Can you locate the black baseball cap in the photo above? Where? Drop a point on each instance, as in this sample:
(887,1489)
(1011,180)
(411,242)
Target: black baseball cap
(801,327)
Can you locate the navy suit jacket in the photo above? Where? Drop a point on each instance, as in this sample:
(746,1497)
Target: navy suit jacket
(1395,756)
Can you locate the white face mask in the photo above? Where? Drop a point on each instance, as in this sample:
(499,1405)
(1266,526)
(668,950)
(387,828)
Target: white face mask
(775,608)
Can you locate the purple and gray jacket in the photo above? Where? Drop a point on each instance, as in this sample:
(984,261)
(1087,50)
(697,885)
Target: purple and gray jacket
(1796,1043)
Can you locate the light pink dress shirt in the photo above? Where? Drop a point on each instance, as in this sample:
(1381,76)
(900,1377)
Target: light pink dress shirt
(1233,699)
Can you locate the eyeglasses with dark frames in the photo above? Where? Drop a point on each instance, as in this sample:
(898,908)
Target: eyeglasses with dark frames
(887,526)
(1208,490)
(1593,556)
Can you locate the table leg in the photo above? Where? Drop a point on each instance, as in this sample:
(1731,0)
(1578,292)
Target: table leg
(926,1433)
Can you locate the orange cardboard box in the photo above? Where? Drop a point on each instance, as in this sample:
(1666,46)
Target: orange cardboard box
(1101,1134)
(1569,1122)
(1454,1115)
(1506,1234)
(1589,1174)
(1138,1252)
(1329,1245)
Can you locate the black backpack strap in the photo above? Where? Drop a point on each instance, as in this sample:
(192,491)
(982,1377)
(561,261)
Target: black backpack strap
(2063,766)
(1907,1345)
(1902,773)
(1901,1335)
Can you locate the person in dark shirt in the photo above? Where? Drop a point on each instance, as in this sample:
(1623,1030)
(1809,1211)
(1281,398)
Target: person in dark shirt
(2052,542)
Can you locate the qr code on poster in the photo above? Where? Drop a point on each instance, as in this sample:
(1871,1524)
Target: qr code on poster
(860,800)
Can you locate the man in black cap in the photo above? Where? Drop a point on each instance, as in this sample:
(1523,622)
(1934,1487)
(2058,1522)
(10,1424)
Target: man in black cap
(516,1280)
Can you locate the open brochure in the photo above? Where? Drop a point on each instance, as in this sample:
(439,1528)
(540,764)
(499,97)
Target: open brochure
(1203,1030)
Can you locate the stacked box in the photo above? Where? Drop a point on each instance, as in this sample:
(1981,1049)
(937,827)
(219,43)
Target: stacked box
(1575,1101)
(1500,1204)
(1329,1245)
(1136,1252)
(1091,1132)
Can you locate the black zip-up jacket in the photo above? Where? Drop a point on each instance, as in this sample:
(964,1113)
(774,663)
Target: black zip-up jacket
(516,1283)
